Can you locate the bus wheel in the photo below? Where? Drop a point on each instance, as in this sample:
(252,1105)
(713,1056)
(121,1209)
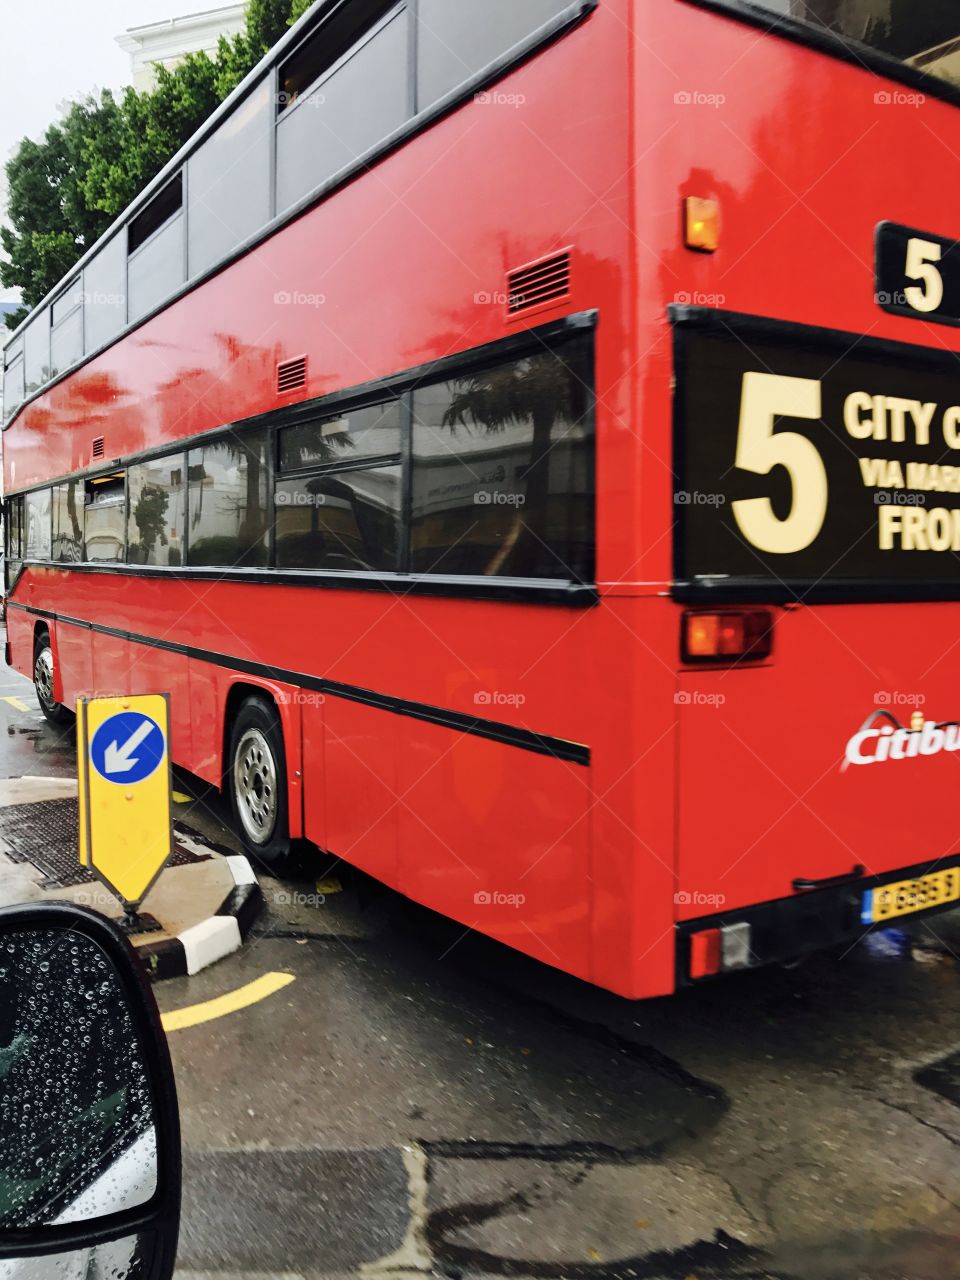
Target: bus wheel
(55,712)
(258,782)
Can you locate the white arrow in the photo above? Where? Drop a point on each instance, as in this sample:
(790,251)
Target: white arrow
(119,759)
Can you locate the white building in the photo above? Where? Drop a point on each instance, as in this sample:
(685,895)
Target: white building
(170,40)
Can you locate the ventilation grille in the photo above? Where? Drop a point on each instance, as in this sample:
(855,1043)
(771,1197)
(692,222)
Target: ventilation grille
(96,449)
(541,282)
(292,374)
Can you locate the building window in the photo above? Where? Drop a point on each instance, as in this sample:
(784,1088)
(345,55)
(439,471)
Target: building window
(155,514)
(68,521)
(227,501)
(503,475)
(104,512)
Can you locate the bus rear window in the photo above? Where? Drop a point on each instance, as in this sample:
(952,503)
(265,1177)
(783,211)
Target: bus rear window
(923,34)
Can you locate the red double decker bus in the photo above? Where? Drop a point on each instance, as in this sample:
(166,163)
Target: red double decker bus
(523,438)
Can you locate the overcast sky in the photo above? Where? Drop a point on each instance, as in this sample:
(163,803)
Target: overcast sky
(57,50)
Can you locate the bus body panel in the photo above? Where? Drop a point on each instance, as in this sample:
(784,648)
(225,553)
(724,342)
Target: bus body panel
(804,155)
(809,813)
(384,290)
(608,130)
(802,152)
(498,839)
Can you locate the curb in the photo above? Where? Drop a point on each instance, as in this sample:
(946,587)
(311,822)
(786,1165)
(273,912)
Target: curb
(213,938)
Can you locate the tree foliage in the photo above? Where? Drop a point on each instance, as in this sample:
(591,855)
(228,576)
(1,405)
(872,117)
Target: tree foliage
(66,188)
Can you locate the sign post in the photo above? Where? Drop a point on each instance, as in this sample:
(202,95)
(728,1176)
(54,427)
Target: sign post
(126,826)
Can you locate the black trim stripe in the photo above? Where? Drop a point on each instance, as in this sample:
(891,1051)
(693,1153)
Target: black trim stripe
(494,730)
(461,587)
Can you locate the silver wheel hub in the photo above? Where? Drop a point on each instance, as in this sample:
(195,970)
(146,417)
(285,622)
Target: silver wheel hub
(43,677)
(255,786)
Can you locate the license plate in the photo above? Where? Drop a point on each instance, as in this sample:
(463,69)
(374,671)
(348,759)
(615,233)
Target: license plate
(906,896)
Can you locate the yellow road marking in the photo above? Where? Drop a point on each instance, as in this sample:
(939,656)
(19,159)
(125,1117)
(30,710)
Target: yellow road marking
(259,989)
(16,702)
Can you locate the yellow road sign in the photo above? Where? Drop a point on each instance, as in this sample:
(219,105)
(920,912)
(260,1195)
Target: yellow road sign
(126,832)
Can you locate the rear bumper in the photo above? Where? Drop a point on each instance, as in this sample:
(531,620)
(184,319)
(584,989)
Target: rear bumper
(790,928)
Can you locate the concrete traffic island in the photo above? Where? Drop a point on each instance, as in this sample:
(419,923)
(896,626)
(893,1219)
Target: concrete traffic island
(204,902)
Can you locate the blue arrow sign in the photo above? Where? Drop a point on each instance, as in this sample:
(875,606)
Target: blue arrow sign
(128,747)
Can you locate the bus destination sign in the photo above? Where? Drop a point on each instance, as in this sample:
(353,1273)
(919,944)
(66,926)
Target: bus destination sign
(805,457)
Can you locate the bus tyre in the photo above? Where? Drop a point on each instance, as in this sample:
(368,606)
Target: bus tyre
(258,782)
(55,712)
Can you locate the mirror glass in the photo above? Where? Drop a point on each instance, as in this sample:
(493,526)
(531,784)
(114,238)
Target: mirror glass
(77,1137)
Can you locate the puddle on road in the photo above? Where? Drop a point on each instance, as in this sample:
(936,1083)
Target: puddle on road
(942,1077)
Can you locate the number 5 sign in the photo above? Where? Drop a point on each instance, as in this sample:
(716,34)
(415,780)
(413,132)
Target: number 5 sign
(918,274)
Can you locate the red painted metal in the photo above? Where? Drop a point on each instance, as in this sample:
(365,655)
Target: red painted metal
(586,868)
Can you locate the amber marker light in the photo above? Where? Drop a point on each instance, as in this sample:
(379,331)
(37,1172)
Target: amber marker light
(701,224)
(732,636)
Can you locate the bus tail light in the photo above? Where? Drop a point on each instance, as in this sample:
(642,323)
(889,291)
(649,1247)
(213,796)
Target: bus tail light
(733,635)
(704,953)
(715,951)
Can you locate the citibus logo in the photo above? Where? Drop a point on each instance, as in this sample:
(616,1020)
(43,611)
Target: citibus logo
(884,738)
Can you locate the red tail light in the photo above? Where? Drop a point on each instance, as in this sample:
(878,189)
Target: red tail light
(729,636)
(704,953)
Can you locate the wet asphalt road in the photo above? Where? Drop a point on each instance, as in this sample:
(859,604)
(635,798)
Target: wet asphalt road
(418,1100)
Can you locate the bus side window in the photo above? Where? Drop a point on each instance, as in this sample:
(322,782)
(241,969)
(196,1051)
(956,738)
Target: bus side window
(331,514)
(456,41)
(227,501)
(37,508)
(503,471)
(68,521)
(155,518)
(103,532)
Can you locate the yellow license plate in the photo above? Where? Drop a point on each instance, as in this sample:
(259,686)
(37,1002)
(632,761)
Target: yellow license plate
(907,896)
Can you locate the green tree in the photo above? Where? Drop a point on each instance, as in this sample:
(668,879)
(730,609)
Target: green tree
(66,189)
(50,221)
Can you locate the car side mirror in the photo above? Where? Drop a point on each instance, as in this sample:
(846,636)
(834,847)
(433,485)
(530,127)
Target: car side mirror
(89,1127)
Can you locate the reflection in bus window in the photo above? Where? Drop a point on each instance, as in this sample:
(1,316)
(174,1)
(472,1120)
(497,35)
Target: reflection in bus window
(155,517)
(370,432)
(925,34)
(38,525)
(14,514)
(227,501)
(503,471)
(344,520)
(68,521)
(104,518)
